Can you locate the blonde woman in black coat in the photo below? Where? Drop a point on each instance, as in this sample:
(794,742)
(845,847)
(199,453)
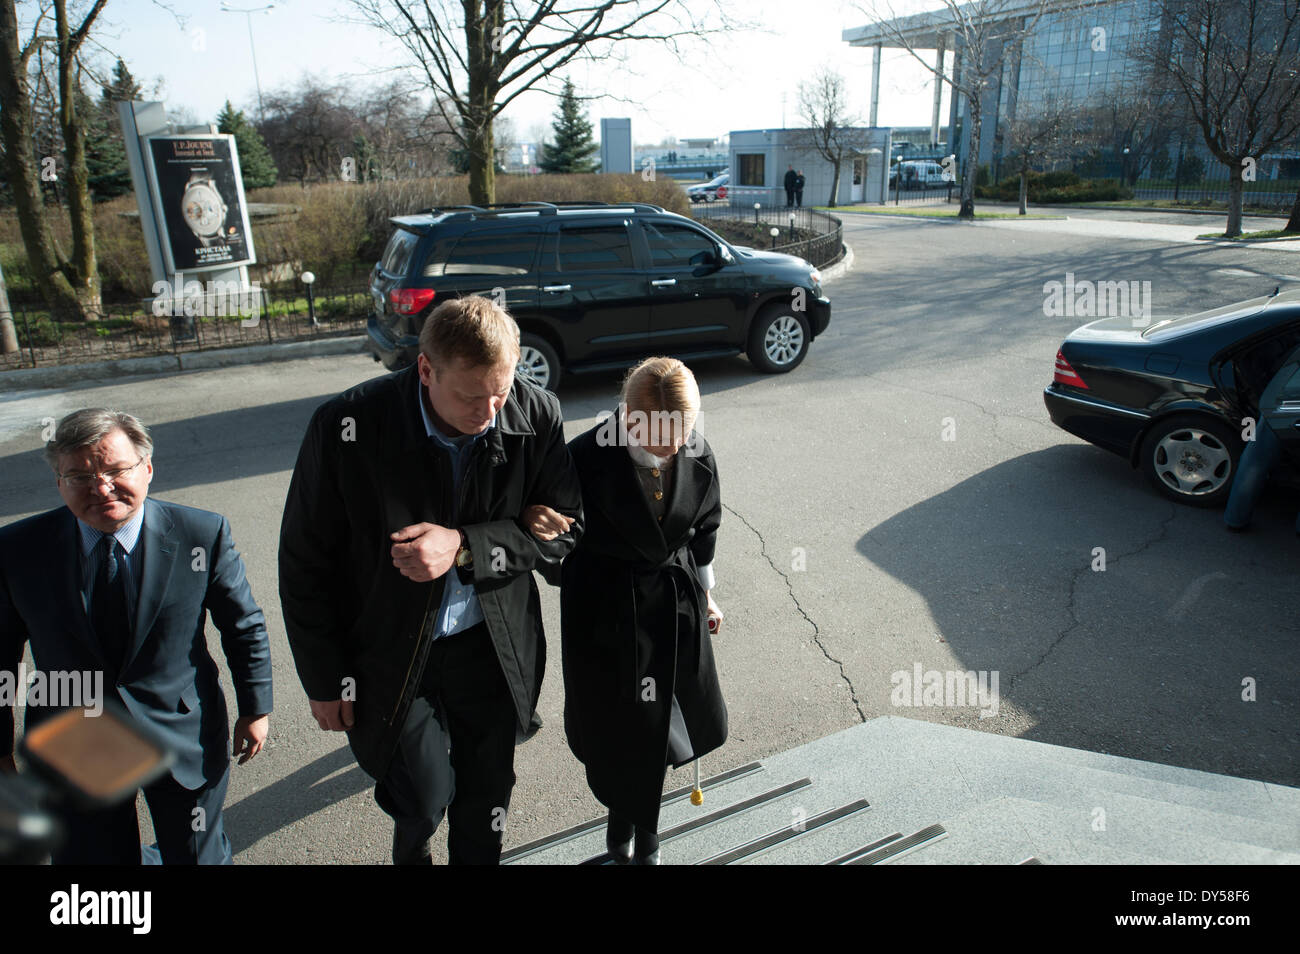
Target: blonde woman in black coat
(641,689)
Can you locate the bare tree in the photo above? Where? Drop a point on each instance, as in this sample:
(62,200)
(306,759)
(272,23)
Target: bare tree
(1134,126)
(309,129)
(1235,62)
(407,132)
(985,32)
(70,286)
(1042,135)
(477,56)
(832,132)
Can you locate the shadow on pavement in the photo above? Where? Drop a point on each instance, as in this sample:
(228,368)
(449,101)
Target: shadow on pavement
(296,796)
(1145,659)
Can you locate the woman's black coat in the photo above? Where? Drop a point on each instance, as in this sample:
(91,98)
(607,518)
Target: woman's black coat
(634,622)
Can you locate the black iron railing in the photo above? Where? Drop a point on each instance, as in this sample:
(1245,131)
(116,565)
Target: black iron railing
(131,331)
(807,233)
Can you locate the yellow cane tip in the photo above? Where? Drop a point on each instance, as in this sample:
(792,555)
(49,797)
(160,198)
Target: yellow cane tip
(697,797)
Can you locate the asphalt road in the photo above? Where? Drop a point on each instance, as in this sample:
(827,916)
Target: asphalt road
(857,541)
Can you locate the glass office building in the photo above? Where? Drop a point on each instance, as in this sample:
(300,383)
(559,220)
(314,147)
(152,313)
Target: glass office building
(1081,52)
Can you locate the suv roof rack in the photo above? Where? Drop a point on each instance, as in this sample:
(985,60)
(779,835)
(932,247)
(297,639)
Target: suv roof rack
(540,208)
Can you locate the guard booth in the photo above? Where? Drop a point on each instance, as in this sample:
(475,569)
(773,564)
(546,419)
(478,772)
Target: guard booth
(760,158)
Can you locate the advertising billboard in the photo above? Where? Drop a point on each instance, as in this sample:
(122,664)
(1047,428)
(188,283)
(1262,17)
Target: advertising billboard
(199,192)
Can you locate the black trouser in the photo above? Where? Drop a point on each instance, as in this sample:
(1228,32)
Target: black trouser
(789,196)
(187,824)
(463,684)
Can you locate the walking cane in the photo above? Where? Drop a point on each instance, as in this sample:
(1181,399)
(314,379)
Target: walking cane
(697,794)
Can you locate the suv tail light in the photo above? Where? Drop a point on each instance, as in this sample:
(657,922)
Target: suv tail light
(410,301)
(1065,374)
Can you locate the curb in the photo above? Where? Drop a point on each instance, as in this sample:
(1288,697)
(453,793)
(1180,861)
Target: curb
(68,374)
(840,268)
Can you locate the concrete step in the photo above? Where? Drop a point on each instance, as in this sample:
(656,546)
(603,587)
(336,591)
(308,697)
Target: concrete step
(1001,800)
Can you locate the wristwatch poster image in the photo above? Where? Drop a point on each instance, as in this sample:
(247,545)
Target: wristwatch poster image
(200,201)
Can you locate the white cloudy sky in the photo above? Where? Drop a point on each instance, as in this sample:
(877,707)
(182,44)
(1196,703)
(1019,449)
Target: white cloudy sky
(733,80)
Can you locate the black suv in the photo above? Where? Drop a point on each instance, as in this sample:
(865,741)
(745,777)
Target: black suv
(596,287)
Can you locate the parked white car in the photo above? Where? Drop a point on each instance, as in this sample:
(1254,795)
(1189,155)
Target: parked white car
(919,174)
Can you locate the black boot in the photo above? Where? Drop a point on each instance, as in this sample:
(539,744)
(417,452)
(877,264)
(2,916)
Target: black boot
(647,847)
(618,839)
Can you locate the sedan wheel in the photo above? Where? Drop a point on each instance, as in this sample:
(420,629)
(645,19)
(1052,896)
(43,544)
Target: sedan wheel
(1191,460)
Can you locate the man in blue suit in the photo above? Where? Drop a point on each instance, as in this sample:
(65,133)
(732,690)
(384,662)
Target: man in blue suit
(119,584)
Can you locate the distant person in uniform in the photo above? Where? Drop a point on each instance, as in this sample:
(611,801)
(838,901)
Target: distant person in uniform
(798,188)
(119,583)
(640,686)
(791,177)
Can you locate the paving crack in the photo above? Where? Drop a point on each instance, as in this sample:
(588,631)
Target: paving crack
(817,636)
(1078,576)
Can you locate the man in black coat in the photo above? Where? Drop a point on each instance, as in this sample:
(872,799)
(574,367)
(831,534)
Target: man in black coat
(790,178)
(405,574)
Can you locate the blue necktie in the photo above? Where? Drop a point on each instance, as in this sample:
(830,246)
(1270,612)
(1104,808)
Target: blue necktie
(108,606)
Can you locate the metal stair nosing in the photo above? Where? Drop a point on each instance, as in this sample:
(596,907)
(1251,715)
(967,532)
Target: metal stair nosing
(583,828)
(785,834)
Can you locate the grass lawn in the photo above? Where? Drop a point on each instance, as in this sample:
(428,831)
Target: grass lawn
(1268,235)
(1206,205)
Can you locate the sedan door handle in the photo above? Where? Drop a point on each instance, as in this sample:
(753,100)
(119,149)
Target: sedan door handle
(660,282)
(557,288)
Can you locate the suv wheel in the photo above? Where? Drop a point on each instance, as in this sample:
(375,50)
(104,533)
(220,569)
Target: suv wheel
(1191,459)
(538,362)
(778,339)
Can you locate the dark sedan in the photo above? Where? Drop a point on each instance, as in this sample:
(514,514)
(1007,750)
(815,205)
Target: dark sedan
(1174,397)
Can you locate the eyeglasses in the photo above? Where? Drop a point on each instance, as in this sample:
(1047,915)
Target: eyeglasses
(83,481)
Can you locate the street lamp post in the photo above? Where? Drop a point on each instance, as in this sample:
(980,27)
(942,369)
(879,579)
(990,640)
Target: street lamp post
(248,12)
(309,279)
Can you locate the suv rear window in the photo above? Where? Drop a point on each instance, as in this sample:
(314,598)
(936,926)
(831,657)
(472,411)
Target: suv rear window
(398,253)
(594,249)
(489,253)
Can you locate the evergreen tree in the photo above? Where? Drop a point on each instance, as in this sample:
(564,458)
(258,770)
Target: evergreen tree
(107,172)
(367,168)
(573,146)
(255,162)
(123,86)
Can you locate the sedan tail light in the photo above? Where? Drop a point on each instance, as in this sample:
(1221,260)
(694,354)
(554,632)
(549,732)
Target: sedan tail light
(1065,374)
(410,301)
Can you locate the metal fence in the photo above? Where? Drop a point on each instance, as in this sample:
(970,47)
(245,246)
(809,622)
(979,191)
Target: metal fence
(905,187)
(131,331)
(807,233)
(1188,178)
